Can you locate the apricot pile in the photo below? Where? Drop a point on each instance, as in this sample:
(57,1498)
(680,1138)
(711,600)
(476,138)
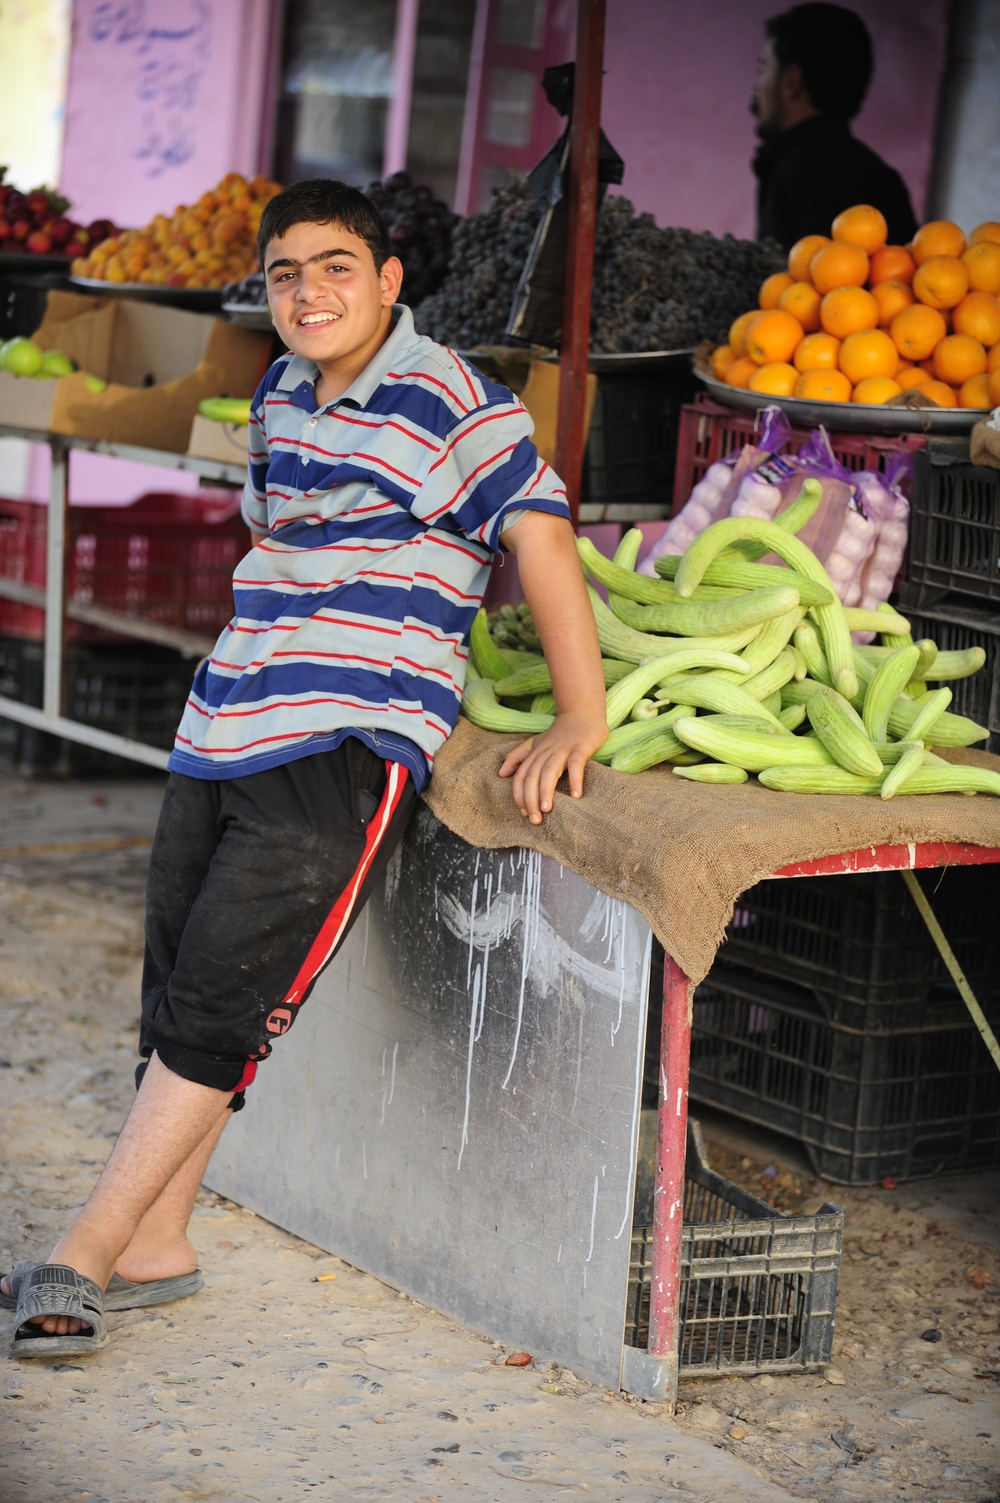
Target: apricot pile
(853,319)
(204,245)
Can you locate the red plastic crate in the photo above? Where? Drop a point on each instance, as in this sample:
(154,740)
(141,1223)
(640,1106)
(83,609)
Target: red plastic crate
(166,558)
(708,431)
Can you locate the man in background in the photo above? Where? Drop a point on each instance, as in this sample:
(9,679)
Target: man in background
(813,73)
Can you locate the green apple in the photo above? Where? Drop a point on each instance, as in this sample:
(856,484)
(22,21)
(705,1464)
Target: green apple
(95,383)
(55,363)
(21,357)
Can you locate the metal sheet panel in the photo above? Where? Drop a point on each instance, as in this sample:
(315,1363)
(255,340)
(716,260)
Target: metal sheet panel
(457,1108)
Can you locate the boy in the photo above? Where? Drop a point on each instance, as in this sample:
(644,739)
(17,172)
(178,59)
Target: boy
(384,474)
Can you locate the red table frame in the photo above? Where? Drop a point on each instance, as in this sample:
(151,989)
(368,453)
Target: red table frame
(675,1057)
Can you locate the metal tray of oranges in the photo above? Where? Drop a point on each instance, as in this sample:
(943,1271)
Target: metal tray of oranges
(849,417)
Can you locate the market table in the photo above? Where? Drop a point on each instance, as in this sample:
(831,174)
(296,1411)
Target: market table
(467,1075)
(57,609)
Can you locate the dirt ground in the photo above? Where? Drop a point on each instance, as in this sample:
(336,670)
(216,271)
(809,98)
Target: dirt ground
(294,1374)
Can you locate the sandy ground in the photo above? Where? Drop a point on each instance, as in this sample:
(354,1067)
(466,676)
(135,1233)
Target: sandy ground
(294,1374)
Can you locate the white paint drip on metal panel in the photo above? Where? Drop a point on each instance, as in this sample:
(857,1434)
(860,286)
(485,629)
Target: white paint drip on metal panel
(474,1023)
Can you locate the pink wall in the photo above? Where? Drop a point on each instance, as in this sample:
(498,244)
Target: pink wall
(163,100)
(676,101)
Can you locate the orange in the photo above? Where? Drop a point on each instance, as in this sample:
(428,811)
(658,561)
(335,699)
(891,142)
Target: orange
(740,371)
(940,393)
(978,314)
(773,336)
(874,390)
(868,352)
(915,331)
(802,301)
(893,263)
(738,331)
(802,253)
(891,297)
(975,392)
(913,375)
(838,265)
(993,388)
(988,230)
(817,352)
(941,282)
(823,386)
(861,225)
(938,237)
(772,287)
(776,379)
(993,359)
(721,359)
(845,310)
(958,357)
(982,262)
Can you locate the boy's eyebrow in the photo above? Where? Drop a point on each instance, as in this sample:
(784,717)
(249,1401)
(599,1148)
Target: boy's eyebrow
(324,255)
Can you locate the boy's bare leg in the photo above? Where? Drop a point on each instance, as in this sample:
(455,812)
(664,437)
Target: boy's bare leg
(159,1248)
(171,1122)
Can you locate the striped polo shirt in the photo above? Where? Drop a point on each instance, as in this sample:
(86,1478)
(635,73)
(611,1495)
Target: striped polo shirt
(383,511)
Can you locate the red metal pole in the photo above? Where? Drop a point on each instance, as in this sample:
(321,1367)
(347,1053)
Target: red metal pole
(575,345)
(668,1184)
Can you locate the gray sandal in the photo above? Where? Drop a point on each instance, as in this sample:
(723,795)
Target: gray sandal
(121,1294)
(55,1289)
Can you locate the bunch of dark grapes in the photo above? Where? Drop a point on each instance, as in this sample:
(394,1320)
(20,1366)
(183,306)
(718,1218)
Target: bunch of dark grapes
(420,230)
(669,289)
(250,293)
(488,252)
(653,289)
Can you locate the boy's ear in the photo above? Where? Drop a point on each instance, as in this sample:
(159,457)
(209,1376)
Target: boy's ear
(391,279)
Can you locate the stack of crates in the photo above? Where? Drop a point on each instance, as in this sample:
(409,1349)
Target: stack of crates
(166,560)
(830,1016)
(952,588)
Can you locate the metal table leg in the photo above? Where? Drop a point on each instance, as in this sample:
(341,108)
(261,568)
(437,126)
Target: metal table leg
(55,582)
(668,1190)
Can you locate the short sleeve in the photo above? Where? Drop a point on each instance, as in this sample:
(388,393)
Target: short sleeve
(488,469)
(254,500)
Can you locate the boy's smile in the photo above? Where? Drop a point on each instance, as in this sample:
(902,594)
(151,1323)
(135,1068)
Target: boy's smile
(327,301)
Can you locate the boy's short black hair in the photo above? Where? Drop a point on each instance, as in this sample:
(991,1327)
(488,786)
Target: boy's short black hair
(833,48)
(320,200)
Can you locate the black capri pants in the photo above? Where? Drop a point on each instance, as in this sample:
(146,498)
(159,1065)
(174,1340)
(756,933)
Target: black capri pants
(254,882)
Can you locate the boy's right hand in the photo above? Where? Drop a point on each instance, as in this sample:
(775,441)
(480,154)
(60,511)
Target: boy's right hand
(537,765)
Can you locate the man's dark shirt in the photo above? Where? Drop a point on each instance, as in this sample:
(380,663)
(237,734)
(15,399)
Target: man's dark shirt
(808,173)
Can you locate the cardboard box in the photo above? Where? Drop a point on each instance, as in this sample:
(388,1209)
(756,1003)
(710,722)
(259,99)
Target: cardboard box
(225,441)
(159,363)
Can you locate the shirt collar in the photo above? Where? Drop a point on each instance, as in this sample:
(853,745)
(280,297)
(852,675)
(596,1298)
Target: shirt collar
(300,375)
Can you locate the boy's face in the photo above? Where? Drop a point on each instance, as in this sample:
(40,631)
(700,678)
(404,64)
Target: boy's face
(327,301)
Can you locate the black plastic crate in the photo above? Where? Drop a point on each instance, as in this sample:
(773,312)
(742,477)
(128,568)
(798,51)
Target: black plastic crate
(859,943)
(632,445)
(138,692)
(906,1102)
(23,300)
(758,1287)
(952,623)
(954,526)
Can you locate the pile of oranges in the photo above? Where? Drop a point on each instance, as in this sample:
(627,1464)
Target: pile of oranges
(204,245)
(856,320)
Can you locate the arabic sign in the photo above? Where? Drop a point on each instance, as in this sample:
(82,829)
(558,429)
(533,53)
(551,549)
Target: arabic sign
(157,95)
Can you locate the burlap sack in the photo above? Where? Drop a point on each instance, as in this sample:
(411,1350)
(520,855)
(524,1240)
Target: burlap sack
(681,853)
(984,445)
